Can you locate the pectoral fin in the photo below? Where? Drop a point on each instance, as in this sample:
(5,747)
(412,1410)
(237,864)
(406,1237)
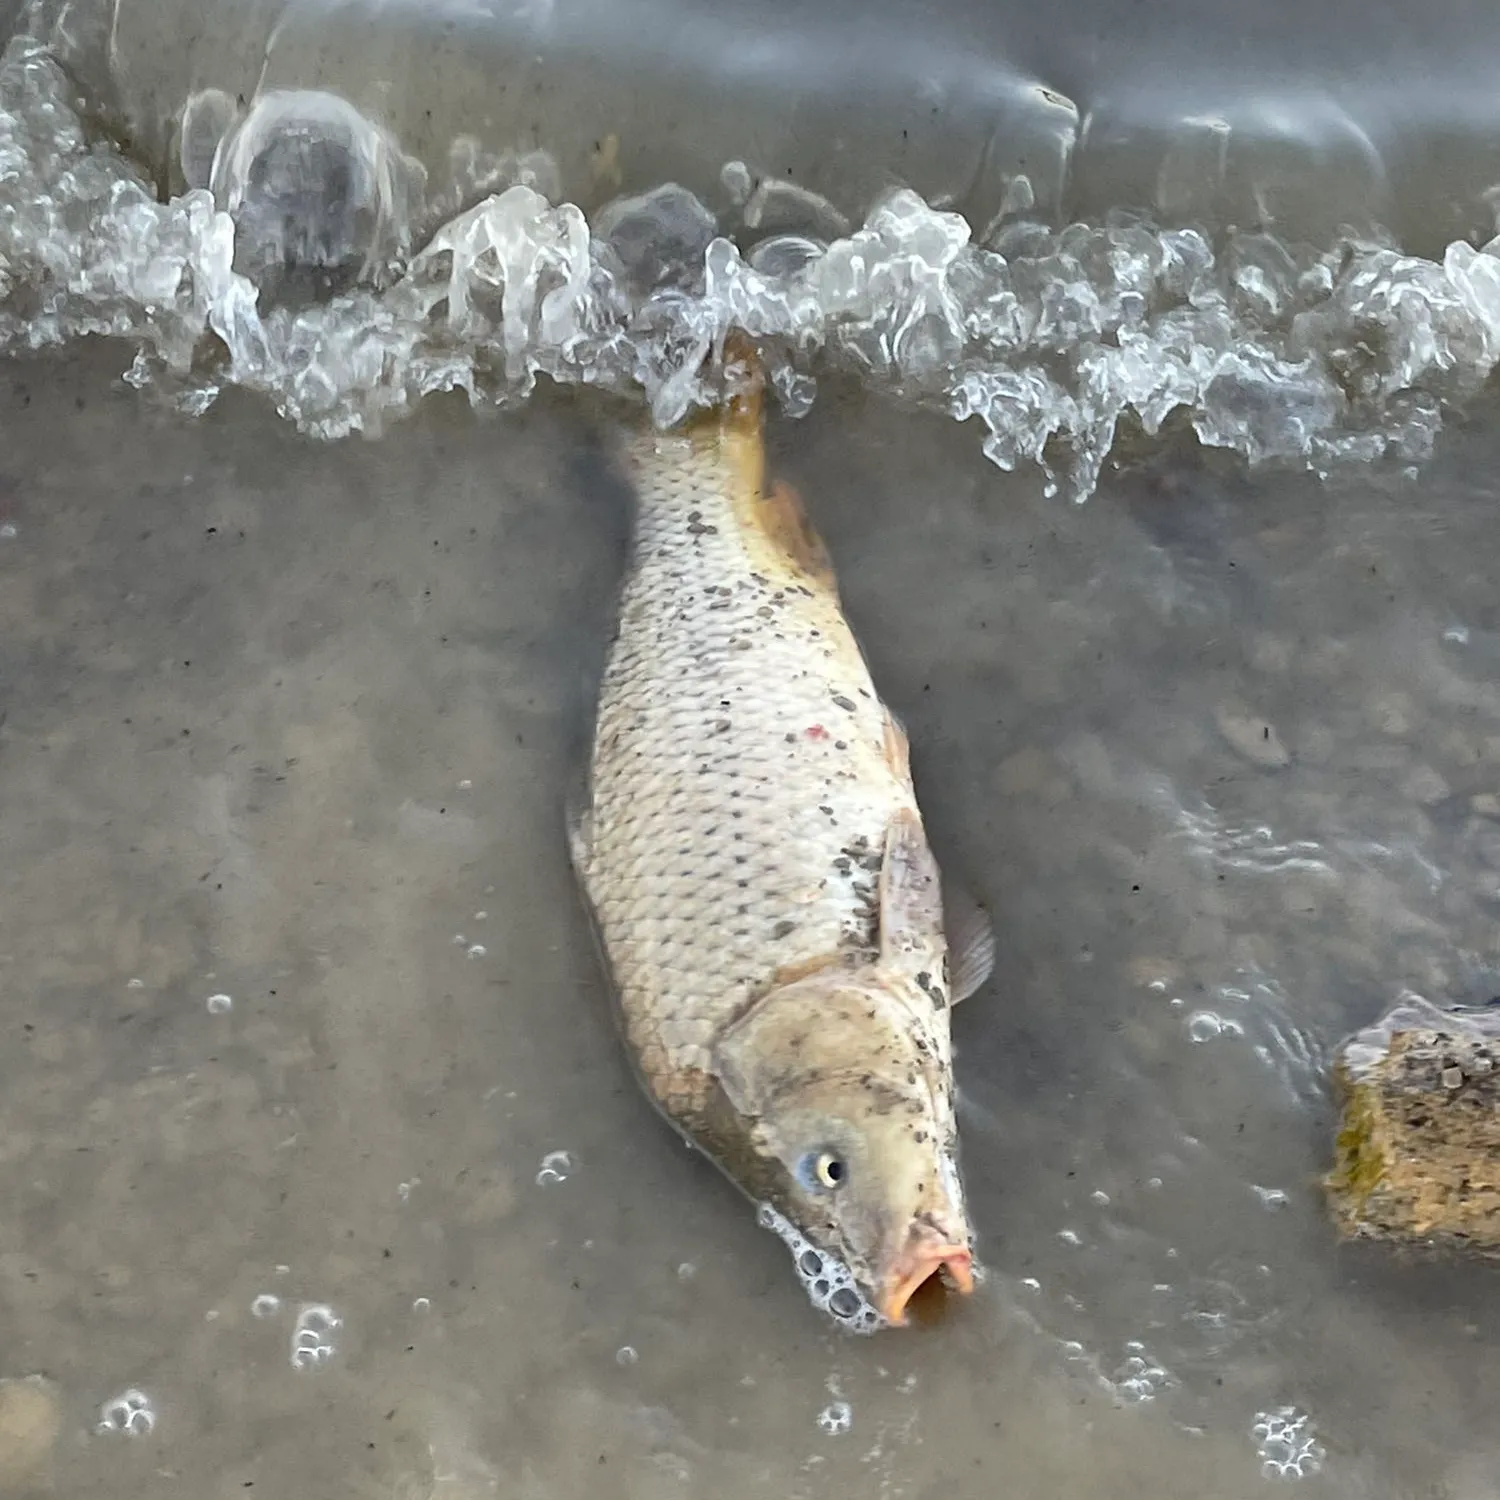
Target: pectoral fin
(911,896)
(971,941)
(917,906)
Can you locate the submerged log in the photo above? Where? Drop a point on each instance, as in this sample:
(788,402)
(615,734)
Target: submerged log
(1417,1157)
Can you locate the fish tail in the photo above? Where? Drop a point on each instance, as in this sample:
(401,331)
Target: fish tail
(732,429)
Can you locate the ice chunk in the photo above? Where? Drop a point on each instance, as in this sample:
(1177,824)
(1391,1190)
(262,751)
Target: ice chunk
(315,187)
(1051,337)
(659,237)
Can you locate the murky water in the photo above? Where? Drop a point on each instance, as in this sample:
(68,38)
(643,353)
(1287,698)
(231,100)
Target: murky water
(323,1171)
(289,723)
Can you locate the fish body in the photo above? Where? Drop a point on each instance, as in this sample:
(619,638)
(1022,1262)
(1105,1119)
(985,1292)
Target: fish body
(756,866)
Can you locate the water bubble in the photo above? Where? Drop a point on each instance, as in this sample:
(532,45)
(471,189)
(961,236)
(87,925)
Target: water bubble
(1140,1377)
(267,1305)
(312,1342)
(129,1414)
(466,785)
(844,1302)
(218,1005)
(1270,1197)
(1205,1025)
(481,916)
(829,1285)
(626,1356)
(421,1305)
(477,950)
(686,1271)
(1069,1237)
(1286,1444)
(836,1418)
(135,984)
(557,1166)
(1458,635)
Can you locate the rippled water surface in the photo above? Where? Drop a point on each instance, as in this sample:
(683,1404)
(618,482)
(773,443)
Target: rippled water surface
(322,1172)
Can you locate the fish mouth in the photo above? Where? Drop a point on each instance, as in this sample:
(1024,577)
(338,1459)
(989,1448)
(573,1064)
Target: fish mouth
(953,1263)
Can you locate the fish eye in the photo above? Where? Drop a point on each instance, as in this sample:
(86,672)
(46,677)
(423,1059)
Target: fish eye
(824,1169)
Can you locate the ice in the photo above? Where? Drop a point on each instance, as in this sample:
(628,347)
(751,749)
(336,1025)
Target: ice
(309,261)
(658,237)
(314,186)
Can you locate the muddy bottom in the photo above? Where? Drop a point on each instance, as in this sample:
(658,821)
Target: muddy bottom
(323,1173)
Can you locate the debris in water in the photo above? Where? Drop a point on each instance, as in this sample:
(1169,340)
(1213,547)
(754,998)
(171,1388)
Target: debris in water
(1417,1157)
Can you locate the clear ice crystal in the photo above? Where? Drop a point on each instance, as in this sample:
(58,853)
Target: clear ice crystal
(1050,338)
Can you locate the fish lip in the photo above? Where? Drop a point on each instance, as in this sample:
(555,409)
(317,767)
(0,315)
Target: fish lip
(955,1263)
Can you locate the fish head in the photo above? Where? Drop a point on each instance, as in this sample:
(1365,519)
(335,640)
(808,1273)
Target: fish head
(845,1104)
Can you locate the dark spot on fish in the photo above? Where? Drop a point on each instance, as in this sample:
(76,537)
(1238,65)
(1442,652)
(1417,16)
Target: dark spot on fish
(844,703)
(842,865)
(781,929)
(840,744)
(721,726)
(824,808)
(791,739)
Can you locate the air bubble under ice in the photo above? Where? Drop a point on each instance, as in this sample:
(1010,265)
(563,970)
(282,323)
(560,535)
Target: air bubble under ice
(830,1287)
(1048,339)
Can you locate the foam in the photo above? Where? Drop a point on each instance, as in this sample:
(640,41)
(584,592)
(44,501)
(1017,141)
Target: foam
(830,1286)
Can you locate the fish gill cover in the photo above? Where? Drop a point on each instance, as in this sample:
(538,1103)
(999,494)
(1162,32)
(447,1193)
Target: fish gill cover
(1050,338)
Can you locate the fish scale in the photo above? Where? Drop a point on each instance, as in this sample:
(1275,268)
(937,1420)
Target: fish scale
(735,708)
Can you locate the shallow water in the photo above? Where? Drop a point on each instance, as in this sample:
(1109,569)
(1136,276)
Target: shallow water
(291,722)
(324,1173)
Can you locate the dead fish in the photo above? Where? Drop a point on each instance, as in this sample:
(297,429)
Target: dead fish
(756,868)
